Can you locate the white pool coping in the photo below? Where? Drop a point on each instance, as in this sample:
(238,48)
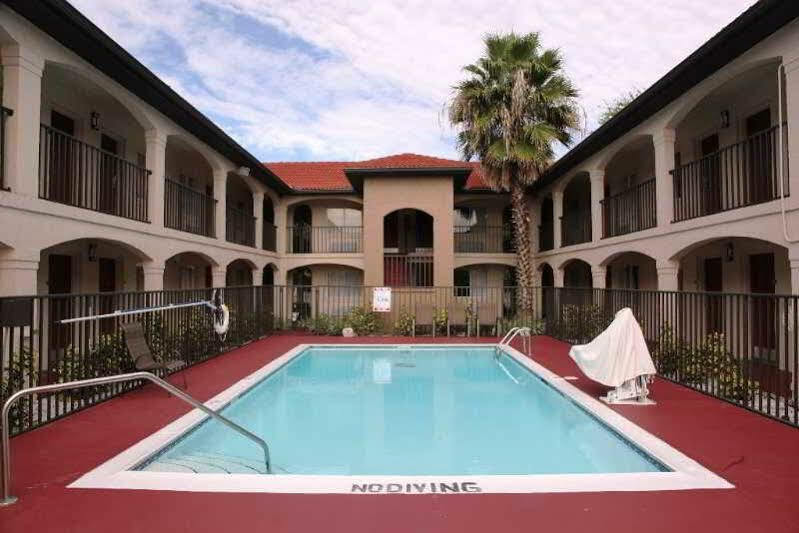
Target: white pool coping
(686,473)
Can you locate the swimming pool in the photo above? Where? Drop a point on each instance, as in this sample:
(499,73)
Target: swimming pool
(409,418)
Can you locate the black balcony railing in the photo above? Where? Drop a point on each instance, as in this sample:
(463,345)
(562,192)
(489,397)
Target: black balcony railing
(240,227)
(575,228)
(75,173)
(742,174)
(269,237)
(631,210)
(324,239)
(188,210)
(4,114)
(408,270)
(484,239)
(546,237)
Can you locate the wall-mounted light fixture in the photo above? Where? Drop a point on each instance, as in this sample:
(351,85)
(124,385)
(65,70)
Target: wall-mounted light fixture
(729,252)
(92,252)
(725,119)
(94,120)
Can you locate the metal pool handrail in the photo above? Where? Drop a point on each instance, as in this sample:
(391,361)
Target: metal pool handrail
(8,499)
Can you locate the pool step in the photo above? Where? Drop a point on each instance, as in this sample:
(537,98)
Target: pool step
(207,463)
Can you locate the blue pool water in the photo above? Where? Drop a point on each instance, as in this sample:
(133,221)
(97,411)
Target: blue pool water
(405,411)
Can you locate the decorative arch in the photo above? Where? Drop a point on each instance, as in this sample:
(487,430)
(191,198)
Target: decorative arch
(713,84)
(130,248)
(204,256)
(205,153)
(692,245)
(633,141)
(615,255)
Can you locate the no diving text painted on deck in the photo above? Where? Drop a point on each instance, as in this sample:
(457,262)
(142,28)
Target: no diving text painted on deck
(416,488)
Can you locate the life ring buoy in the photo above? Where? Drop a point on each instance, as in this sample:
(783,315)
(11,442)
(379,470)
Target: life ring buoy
(221,320)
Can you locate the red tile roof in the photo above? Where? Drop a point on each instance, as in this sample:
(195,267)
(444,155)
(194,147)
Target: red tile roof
(320,176)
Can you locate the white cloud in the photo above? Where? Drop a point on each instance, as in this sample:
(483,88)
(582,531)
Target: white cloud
(319,79)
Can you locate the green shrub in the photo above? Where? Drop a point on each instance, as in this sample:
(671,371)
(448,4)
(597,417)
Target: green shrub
(404,323)
(363,322)
(522,321)
(20,373)
(440,320)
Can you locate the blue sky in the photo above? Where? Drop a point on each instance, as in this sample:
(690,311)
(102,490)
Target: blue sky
(326,80)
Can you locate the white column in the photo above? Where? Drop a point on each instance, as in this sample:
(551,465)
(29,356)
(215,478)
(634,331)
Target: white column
(156,164)
(219,276)
(281,223)
(18,277)
(258,212)
(22,93)
(557,212)
(791,116)
(153,276)
(794,276)
(258,276)
(667,276)
(663,142)
(598,277)
(220,195)
(557,276)
(597,194)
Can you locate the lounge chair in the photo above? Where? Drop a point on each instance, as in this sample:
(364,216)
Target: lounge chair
(142,356)
(458,315)
(424,316)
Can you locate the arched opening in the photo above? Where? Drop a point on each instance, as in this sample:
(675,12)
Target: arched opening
(546,229)
(301,281)
(188,270)
(239,273)
(326,226)
(726,149)
(482,225)
(269,229)
(631,270)
(98,267)
(408,249)
(547,291)
(752,323)
(490,286)
(628,204)
(268,276)
(92,149)
(577,283)
(575,223)
(240,219)
(189,203)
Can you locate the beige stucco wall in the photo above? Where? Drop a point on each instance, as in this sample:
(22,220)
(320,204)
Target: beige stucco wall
(432,194)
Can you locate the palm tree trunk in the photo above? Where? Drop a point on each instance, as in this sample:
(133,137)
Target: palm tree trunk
(524,262)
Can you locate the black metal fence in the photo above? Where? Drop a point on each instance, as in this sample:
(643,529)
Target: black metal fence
(484,239)
(741,174)
(741,348)
(188,210)
(631,210)
(76,173)
(413,269)
(240,227)
(4,114)
(304,239)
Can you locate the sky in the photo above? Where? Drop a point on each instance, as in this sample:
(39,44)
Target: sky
(311,80)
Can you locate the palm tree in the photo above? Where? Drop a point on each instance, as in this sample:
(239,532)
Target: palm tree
(511,110)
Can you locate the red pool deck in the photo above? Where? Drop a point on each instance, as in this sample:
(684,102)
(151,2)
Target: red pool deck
(759,456)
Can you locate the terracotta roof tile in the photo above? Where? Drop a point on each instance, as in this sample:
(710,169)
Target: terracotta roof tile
(318,176)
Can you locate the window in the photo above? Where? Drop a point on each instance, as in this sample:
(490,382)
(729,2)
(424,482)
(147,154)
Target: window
(467,217)
(343,216)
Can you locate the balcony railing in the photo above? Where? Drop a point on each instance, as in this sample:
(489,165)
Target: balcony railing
(4,114)
(546,239)
(631,210)
(270,237)
(240,227)
(408,270)
(575,228)
(324,239)
(75,173)
(188,210)
(484,239)
(742,174)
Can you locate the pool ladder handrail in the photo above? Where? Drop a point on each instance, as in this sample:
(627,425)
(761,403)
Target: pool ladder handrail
(8,499)
(512,333)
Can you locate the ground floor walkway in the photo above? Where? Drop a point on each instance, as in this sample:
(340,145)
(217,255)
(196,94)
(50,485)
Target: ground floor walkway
(758,455)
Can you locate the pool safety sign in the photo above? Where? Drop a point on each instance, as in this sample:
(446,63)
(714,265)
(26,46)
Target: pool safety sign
(416,488)
(381,299)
